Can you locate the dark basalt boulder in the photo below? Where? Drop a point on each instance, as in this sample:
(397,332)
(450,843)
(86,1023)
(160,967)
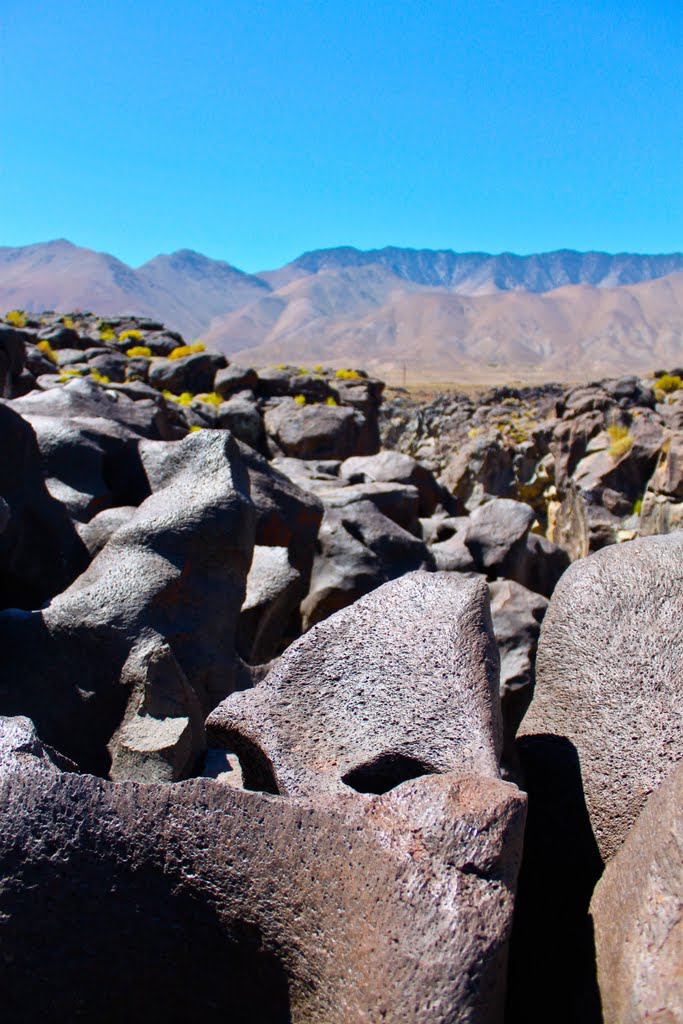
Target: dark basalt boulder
(100,528)
(12,359)
(316,431)
(344,569)
(402,683)
(517,614)
(194,373)
(148,414)
(234,378)
(452,555)
(60,337)
(637,911)
(286,515)
(394,467)
(398,502)
(269,614)
(496,533)
(241,416)
(358,549)
(110,365)
(172,576)
(247,906)
(609,676)
(40,550)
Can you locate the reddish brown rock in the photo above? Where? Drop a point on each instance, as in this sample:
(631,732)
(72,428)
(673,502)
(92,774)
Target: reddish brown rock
(402,683)
(129,902)
(609,676)
(637,910)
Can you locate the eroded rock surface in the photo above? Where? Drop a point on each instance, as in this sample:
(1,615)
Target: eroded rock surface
(609,676)
(403,683)
(393,907)
(638,914)
(174,572)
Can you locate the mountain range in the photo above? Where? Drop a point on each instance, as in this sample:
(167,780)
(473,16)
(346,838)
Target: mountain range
(424,314)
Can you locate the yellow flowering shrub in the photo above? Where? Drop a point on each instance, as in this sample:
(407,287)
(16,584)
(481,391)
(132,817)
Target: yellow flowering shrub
(187,350)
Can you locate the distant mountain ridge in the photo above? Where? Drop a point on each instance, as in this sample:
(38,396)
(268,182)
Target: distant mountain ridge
(475,273)
(555,312)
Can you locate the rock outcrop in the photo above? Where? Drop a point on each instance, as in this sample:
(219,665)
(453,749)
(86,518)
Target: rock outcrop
(609,677)
(637,910)
(159,602)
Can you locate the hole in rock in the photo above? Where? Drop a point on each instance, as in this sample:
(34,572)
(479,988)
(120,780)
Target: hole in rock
(257,771)
(385,772)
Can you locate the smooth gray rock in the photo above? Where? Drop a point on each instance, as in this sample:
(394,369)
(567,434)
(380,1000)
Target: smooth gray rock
(349,910)
(496,532)
(315,431)
(194,373)
(70,357)
(97,532)
(286,515)
(175,573)
(343,570)
(40,550)
(83,400)
(398,502)
(453,555)
(358,550)
(403,683)
(637,910)
(394,467)
(235,378)
(12,358)
(517,614)
(241,416)
(609,676)
(271,605)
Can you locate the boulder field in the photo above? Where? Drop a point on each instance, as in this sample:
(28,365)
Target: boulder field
(322,705)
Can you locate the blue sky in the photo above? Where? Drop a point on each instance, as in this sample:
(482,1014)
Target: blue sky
(255,131)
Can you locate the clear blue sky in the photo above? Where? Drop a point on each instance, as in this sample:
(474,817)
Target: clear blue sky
(253,131)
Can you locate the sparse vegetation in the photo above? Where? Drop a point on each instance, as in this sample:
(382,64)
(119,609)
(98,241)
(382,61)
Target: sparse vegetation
(186,398)
(187,350)
(621,440)
(133,333)
(139,352)
(100,378)
(300,399)
(47,350)
(211,398)
(668,383)
(16,317)
(348,374)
